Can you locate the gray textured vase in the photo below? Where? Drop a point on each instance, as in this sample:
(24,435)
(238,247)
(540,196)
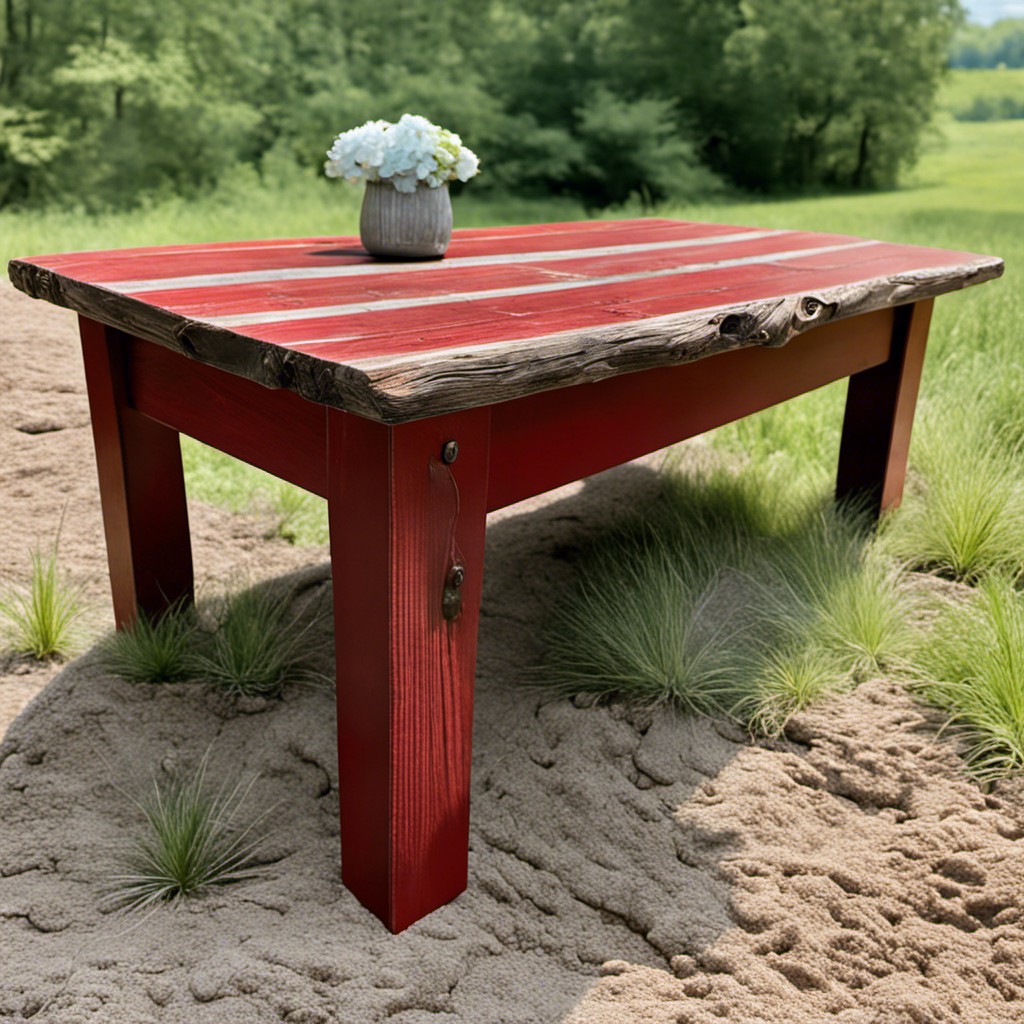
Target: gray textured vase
(405,225)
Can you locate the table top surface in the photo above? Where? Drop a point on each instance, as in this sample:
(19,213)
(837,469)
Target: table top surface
(509,311)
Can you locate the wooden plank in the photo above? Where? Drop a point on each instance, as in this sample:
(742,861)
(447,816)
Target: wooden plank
(469,288)
(400,519)
(880,406)
(397,365)
(405,388)
(222,294)
(142,487)
(385,328)
(276,431)
(161,262)
(549,439)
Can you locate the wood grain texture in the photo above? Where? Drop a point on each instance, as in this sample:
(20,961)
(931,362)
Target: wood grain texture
(399,519)
(277,431)
(446,353)
(142,487)
(460,379)
(880,405)
(155,262)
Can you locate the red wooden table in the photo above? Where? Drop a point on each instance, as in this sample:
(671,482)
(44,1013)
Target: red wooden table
(416,397)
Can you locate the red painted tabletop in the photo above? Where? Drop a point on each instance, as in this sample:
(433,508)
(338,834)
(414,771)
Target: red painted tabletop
(501,300)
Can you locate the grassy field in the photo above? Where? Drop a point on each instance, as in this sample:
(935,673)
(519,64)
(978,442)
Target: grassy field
(839,600)
(984,94)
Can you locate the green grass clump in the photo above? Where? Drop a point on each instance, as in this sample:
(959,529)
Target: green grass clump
(843,593)
(973,668)
(257,648)
(41,616)
(734,598)
(192,840)
(968,518)
(634,626)
(787,680)
(252,649)
(152,650)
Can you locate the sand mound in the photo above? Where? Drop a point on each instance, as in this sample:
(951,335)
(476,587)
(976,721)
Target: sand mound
(624,866)
(48,482)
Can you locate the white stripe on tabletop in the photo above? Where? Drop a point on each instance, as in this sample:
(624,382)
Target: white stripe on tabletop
(453,263)
(651,324)
(382,305)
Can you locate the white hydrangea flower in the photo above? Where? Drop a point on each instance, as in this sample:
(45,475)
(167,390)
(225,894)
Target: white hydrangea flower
(406,153)
(468,164)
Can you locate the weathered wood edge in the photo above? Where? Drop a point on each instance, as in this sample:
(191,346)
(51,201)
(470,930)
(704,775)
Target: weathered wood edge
(268,365)
(408,387)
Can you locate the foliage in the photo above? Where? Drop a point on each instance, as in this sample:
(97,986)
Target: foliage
(735,597)
(973,667)
(789,95)
(989,46)
(109,104)
(967,518)
(153,650)
(192,841)
(41,616)
(257,647)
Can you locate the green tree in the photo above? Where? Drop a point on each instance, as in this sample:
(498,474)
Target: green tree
(788,95)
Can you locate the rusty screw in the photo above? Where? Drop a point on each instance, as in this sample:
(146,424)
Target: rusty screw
(450,452)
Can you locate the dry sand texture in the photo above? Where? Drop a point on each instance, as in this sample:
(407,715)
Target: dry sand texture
(624,866)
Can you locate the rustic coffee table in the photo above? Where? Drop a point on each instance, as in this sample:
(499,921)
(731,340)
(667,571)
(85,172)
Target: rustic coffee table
(418,396)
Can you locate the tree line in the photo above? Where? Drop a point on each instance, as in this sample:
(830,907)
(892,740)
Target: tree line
(108,102)
(989,46)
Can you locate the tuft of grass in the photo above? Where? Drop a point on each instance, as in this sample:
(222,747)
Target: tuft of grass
(153,650)
(257,647)
(734,598)
(968,518)
(842,594)
(41,616)
(300,517)
(973,667)
(788,680)
(192,840)
(634,627)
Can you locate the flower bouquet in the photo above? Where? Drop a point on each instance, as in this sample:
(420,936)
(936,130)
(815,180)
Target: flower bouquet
(407,167)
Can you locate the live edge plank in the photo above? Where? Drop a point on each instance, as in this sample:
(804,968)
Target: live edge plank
(403,388)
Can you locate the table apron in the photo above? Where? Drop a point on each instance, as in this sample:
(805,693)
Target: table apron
(274,430)
(537,442)
(551,438)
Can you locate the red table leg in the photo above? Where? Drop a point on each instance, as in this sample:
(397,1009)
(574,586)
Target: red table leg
(402,520)
(142,489)
(879,414)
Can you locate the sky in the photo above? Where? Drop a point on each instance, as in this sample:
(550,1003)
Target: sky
(987,11)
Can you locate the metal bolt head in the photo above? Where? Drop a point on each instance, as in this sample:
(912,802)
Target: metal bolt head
(450,451)
(456,576)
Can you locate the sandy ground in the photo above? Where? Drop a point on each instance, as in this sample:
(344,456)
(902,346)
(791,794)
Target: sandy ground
(624,866)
